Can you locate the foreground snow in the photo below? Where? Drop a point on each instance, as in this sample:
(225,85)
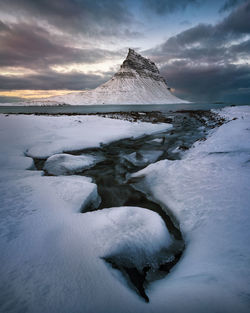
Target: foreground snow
(208,192)
(41,136)
(51,255)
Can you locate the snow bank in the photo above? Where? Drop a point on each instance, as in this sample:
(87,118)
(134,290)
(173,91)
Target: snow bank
(208,192)
(42,136)
(64,164)
(138,235)
(50,251)
(45,136)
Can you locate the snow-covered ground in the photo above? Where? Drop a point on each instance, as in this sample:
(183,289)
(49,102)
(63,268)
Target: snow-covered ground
(208,192)
(51,255)
(42,136)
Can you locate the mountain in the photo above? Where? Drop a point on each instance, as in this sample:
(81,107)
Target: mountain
(138,81)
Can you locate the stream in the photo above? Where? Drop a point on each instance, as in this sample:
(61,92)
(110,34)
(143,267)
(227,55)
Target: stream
(122,158)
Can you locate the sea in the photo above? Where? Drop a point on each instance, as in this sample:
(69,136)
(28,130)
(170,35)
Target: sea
(86,109)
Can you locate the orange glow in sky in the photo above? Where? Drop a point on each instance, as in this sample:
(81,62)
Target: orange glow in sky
(34,94)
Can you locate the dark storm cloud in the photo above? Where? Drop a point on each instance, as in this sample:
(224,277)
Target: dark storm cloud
(208,60)
(88,17)
(34,47)
(168,6)
(52,80)
(213,82)
(238,22)
(242,49)
(206,36)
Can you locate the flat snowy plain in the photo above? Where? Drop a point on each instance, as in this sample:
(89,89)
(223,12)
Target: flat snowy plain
(51,254)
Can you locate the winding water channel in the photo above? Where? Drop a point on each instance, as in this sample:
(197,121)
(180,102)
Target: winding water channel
(127,156)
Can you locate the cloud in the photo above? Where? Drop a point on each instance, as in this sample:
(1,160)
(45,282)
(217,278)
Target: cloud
(35,47)
(35,51)
(92,18)
(238,22)
(208,61)
(203,62)
(208,83)
(52,80)
(3,27)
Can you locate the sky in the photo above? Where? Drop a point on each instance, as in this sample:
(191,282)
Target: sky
(202,47)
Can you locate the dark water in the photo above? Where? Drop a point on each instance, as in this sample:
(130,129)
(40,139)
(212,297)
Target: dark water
(116,188)
(84,109)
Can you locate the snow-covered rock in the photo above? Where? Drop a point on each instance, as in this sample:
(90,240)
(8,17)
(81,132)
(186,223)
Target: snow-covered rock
(138,81)
(137,236)
(66,164)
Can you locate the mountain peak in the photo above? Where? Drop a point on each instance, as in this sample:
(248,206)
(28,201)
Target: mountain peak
(138,81)
(137,65)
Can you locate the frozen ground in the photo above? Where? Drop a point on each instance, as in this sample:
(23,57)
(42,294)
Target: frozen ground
(51,255)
